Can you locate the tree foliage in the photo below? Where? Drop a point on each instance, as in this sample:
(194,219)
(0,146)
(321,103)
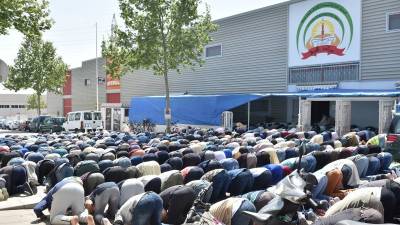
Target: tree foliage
(29,17)
(160,35)
(33,102)
(38,67)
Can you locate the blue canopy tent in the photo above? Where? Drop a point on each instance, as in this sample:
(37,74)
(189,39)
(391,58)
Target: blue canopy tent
(187,109)
(207,109)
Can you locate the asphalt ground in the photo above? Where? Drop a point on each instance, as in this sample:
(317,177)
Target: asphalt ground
(14,132)
(21,216)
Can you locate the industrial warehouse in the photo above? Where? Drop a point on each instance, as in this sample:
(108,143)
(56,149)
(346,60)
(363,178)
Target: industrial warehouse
(299,62)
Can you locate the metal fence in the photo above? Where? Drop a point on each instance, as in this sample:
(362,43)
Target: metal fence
(324,73)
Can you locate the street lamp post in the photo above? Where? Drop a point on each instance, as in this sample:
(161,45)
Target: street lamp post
(97,76)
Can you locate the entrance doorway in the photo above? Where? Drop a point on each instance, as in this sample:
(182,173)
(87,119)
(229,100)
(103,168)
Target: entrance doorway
(319,110)
(114,116)
(323,115)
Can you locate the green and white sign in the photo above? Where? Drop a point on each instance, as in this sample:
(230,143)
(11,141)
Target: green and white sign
(323,32)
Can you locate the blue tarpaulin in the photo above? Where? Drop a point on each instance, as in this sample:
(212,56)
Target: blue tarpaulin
(187,109)
(207,109)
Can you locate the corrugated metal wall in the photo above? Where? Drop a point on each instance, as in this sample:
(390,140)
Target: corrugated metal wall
(84,97)
(278,108)
(254,47)
(380,50)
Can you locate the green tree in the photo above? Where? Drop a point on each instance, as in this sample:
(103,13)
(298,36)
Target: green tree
(160,35)
(29,17)
(33,103)
(38,67)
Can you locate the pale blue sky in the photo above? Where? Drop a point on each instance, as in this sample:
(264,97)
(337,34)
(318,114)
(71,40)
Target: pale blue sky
(73,33)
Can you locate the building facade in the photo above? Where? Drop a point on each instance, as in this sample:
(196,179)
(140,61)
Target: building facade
(295,47)
(13,105)
(3,71)
(79,91)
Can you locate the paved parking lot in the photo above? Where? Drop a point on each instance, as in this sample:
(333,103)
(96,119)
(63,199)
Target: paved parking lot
(13,132)
(22,216)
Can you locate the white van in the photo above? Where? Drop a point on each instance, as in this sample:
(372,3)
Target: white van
(83,120)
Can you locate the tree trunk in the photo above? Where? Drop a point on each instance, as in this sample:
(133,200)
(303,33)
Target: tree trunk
(167,114)
(38,102)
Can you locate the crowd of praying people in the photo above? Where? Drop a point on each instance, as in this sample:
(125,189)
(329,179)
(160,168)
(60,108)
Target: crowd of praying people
(154,178)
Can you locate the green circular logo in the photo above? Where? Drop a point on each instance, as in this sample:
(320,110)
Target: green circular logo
(319,18)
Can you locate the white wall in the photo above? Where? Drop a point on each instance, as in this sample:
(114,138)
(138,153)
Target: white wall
(17,113)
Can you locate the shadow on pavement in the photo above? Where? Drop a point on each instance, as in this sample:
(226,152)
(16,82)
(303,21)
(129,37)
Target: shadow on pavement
(40,221)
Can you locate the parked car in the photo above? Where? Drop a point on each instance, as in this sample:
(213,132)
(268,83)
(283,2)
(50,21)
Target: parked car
(3,123)
(393,138)
(13,125)
(83,120)
(52,124)
(8,124)
(36,122)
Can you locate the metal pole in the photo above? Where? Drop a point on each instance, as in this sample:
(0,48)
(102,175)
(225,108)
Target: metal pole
(248,115)
(299,115)
(97,77)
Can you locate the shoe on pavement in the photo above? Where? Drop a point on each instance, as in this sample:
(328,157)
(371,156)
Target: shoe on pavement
(5,193)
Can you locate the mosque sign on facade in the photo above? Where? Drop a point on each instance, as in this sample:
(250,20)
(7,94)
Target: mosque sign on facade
(324,32)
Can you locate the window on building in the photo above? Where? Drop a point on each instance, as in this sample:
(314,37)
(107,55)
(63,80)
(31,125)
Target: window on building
(393,21)
(324,74)
(14,106)
(5,106)
(87,82)
(21,106)
(213,51)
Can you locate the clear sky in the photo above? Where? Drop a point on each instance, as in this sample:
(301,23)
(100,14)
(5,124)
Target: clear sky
(73,33)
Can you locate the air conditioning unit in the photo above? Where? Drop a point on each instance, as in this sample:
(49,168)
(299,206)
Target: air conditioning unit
(227,120)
